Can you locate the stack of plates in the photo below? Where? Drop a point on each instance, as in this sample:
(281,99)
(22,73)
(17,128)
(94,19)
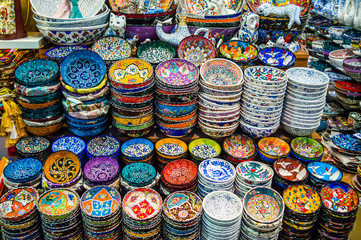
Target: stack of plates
(19,216)
(179,175)
(215,175)
(62,169)
(103,146)
(288,172)
(219,97)
(263,210)
(338,211)
(101,209)
(201,149)
(137,175)
(137,150)
(305,101)
(101,171)
(169,149)
(132,84)
(60,214)
(176,91)
(321,173)
(84,80)
(39,96)
(33,147)
(222,216)
(262,100)
(306,149)
(252,174)
(182,219)
(271,148)
(302,206)
(239,148)
(142,214)
(23,173)
(73,144)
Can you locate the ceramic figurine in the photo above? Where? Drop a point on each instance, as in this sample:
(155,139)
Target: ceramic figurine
(220,8)
(291,10)
(179,33)
(249,25)
(11,20)
(117,26)
(349,12)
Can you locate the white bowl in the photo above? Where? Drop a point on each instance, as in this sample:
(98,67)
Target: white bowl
(257,102)
(297,131)
(258,131)
(264,75)
(307,77)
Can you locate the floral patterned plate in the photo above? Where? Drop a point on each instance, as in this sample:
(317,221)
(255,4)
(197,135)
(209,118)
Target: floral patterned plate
(277,57)
(273,147)
(103,146)
(180,172)
(112,48)
(347,142)
(324,171)
(131,71)
(239,146)
(290,169)
(307,147)
(32,144)
(69,143)
(302,199)
(254,172)
(239,51)
(217,170)
(267,75)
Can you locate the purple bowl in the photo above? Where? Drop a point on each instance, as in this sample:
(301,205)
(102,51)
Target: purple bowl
(348,93)
(101,170)
(352,64)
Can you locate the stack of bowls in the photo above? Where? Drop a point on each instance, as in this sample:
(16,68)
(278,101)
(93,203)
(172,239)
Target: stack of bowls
(215,175)
(306,95)
(39,96)
(352,67)
(24,172)
(306,149)
(84,80)
(33,147)
(338,212)
(252,174)
(103,146)
(239,148)
(137,150)
(58,54)
(346,146)
(321,173)
(142,214)
(271,148)
(60,214)
(263,210)
(101,171)
(201,149)
(219,97)
(136,175)
(168,150)
(101,215)
(348,92)
(62,170)
(73,144)
(262,100)
(19,216)
(302,206)
(176,92)
(65,30)
(182,219)
(222,216)
(338,56)
(132,84)
(179,175)
(288,172)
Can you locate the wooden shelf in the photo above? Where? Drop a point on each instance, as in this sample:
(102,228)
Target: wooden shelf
(34,40)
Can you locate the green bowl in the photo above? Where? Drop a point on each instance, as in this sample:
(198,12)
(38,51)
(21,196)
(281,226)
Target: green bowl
(156,52)
(205,141)
(133,127)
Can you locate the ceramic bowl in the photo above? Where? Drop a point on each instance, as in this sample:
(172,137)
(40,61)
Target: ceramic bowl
(204,141)
(351,100)
(301,89)
(259,99)
(337,77)
(351,34)
(352,64)
(298,131)
(112,48)
(354,74)
(260,124)
(348,93)
(263,95)
(88,132)
(257,107)
(301,118)
(253,90)
(137,141)
(216,132)
(348,86)
(163,141)
(304,96)
(173,110)
(214,92)
(218,114)
(297,123)
(338,56)
(44,131)
(238,51)
(258,131)
(307,77)
(216,105)
(337,31)
(277,57)
(263,103)
(176,132)
(178,119)
(307,148)
(218,125)
(317,46)
(58,54)
(184,124)
(304,110)
(136,132)
(263,76)
(156,52)
(73,36)
(279,23)
(220,101)
(300,102)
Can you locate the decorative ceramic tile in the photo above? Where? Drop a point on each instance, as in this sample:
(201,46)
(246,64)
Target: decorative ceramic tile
(254,171)
(307,147)
(221,72)
(62,167)
(347,142)
(103,146)
(339,197)
(58,202)
(204,151)
(171,149)
(73,144)
(277,57)
(137,150)
(112,48)
(18,202)
(131,71)
(274,146)
(302,199)
(290,169)
(32,144)
(183,206)
(239,146)
(23,170)
(217,170)
(101,170)
(139,174)
(223,206)
(324,171)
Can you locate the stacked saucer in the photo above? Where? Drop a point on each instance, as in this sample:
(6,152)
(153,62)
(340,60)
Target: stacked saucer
(101,209)
(60,214)
(306,149)
(215,175)
(103,146)
(179,175)
(262,100)
(302,206)
(142,214)
(201,149)
(137,175)
(182,216)
(19,216)
(252,174)
(24,172)
(73,144)
(169,149)
(101,171)
(132,84)
(321,173)
(288,172)
(263,210)
(39,96)
(271,148)
(222,216)
(338,212)
(33,147)
(84,80)
(219,97)
(306,95)
(239,148)
(137,150)
(176,92)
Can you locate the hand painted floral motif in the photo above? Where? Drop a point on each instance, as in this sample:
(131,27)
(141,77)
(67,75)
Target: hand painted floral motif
(7,17)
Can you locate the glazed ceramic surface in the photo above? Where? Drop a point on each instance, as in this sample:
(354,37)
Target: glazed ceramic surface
(265,74)
(58,54)
(130,71)
(103,146)
(277,57)
(304,4)
(290,169)
(239,146)
(101,170)
(62,167)
(339,197)
(307,76)
(139,174)
(148,7)
(222,206)
(156,52)
(238,51)
(69,143)
(203,7)
(183,206)
(180,172)
(112,48)
(347,142)
(204,151)
(274,146)
(324,171)
(58,203)
(32,144)
(171,149)
(23,170)
(302,199)
(137,150)
(254,171)
(307,147)
(217,170)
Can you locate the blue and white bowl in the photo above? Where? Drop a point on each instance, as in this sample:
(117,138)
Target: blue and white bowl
(258,132)
(298,131)
(307,77)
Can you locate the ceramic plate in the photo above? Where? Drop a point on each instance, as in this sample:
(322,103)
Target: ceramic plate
(274,147)
(23,170)
(139,174)
(238,51)
(277,57)
(103,146)
(347,142)
(62,167)
(324,171)
(222,206)
(131,71)
(183,206)
(302,199)
(239,146)
(58,203)
(217,170)
(254,171)
(339,197)
(307,147)
(180,172)
(101,170)
(290,169)
(69,143)
(112,48)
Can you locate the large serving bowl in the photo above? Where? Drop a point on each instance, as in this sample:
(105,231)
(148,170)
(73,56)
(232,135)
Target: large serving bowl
(258,131)
(265,77)
(277,57)
(338,56)
(238,51)
(307,77)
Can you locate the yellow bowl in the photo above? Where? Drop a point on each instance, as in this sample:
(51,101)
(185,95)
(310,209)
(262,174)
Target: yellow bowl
(85,90)
(133,121)
(37,105)
(171,140)
(44,131)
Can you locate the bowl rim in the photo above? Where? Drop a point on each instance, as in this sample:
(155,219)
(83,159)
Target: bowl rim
(73,29)
(306,69)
